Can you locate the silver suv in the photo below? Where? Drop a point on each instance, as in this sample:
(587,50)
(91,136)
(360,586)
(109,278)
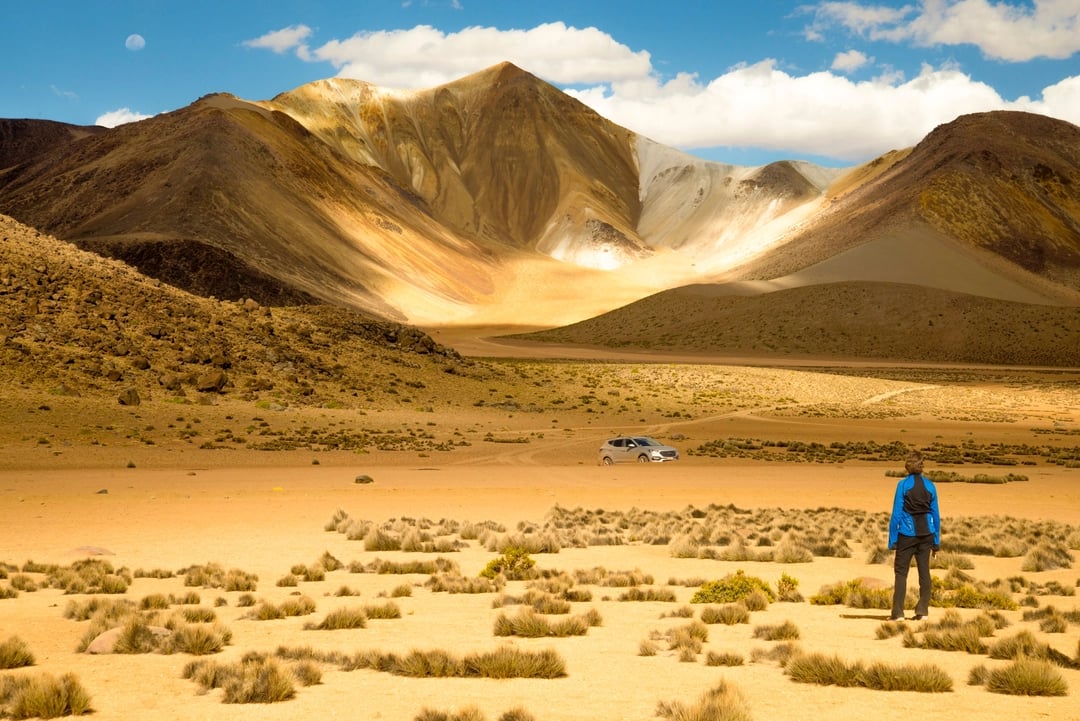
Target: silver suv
(640,449)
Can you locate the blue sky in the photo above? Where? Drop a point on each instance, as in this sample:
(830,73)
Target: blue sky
(741,82)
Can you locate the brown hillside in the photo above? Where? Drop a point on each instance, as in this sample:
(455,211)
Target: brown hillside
(1003,182)
(496,154)
(22,140)
(75,323)
(432,206)
(880,321)
(248,190)
(497,200)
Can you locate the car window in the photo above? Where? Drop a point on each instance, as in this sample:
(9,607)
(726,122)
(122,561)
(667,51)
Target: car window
(617,443)
(646,442)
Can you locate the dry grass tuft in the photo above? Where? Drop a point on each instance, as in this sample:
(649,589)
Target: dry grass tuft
(341,619)
(14,653)
(529,624)
(833,671)
(467,713)
(292,606)
(42,696)
(714,658)
(720,703)
(257,678)
(1023,677)
(729,614)
(786,631)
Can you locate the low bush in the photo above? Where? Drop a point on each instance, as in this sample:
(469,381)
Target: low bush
(515,564)
(854,595)
(733,587)
(787,589)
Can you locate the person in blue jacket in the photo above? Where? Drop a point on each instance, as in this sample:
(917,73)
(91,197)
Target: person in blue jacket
(914,530)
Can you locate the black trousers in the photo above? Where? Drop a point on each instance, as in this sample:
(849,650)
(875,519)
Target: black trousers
(906,547)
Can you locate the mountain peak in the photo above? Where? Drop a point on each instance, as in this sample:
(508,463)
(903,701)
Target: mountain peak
(499,199)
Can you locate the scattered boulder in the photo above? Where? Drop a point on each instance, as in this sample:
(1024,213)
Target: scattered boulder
(363,478)
(129,397)
(106,642)
(211,382)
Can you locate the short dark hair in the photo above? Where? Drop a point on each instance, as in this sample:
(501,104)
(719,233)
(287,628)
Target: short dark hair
(914,463)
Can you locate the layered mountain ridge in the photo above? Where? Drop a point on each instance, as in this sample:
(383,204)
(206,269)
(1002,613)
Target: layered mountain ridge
(499,200)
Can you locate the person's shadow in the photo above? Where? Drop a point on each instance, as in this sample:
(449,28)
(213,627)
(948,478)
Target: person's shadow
(869,616)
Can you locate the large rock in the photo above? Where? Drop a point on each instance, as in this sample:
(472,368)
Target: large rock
(129,397)
(105,642)
(211,382)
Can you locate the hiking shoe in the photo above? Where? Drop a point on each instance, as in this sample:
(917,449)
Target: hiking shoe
(918,617)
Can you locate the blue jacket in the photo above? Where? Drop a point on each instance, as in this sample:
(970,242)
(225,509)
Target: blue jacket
(901,522)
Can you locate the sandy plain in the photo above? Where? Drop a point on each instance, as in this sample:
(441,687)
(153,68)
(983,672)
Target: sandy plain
(171,506)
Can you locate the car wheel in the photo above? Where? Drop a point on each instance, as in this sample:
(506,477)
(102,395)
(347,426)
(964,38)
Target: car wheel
(607,461)
(643,458)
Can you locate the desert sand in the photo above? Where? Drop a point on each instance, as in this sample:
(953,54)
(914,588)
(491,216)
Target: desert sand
(266,512)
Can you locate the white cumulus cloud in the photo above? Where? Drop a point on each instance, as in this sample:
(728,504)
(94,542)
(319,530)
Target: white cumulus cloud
(120,116)
(135,42)
(424,56)
(282,41)
(850,61)
(757,104)
(1010,31)
(819,113)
